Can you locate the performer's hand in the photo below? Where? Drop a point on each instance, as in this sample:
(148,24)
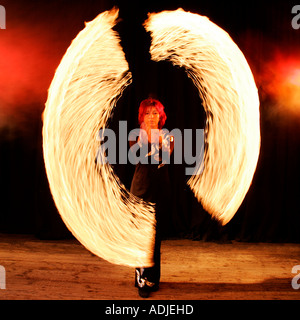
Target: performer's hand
(154,135)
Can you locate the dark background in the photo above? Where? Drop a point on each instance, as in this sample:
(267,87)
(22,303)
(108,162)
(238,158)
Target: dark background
(36,37)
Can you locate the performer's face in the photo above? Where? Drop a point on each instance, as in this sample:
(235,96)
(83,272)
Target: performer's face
(151,118)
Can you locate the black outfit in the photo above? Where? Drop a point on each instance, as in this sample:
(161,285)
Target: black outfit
(151,183)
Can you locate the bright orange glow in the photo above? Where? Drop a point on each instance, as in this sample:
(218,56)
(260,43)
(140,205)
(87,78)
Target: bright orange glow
(282,82)
(227,88)
(294,77)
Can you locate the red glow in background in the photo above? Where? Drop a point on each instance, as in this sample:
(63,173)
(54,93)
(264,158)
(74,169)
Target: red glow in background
(36,37)
(275,63)
(26,66)
(281,80)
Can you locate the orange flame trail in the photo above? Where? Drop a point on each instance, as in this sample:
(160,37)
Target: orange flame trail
(227,88)
(94,204)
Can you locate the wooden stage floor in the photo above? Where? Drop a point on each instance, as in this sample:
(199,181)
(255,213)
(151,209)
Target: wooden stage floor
(191,270)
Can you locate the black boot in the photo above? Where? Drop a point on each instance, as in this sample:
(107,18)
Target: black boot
(145,287)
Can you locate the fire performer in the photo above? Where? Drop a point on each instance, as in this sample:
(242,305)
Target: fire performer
(151,181)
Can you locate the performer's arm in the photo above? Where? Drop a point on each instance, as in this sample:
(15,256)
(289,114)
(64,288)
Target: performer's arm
(167,146)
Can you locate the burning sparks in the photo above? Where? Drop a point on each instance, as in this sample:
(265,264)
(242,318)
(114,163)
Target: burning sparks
(227,88)
(92,201)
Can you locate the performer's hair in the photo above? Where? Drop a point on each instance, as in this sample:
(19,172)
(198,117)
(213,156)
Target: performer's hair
(152,103)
